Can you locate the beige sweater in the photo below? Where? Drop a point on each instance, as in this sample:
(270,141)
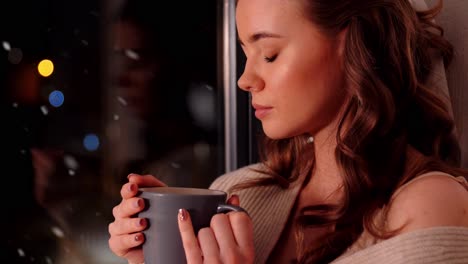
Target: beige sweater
(270,207)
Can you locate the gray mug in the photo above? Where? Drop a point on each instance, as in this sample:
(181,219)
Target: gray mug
(163,244)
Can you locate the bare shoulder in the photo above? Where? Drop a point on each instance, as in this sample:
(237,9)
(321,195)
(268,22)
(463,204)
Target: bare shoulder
(436,200)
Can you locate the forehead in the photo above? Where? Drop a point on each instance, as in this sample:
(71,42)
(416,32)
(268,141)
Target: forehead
(274,15)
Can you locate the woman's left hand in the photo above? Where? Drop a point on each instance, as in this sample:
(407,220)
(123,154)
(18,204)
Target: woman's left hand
(229,239)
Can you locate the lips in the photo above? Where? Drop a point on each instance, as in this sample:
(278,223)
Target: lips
(261,111)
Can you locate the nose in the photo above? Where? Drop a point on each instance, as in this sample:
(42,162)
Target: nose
(250,81)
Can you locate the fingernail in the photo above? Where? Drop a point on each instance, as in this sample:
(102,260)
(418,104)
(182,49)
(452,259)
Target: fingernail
(142,222)
(137,203)
(182,214)
(131,187)
(128,177)
(137,237)
(232,197)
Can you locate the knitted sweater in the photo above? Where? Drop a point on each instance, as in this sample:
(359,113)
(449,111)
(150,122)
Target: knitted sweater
(270,207)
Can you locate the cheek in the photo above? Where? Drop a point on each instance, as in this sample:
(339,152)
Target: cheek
(309,94)
(304,79)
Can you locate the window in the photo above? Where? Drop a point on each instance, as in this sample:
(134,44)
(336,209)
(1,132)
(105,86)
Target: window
(126,87)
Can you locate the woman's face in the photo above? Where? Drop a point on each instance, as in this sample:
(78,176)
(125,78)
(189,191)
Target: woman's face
(139,68)
(293,70)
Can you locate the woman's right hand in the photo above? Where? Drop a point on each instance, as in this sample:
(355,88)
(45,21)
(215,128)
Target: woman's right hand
(126,235)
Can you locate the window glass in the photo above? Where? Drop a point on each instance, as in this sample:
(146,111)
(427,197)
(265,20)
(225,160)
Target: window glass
(92,91)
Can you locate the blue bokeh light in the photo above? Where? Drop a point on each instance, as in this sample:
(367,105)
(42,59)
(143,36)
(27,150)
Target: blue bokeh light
(56,98)
(91,142)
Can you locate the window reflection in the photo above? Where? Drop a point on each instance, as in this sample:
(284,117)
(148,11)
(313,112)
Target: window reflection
(163,116)
(144,100)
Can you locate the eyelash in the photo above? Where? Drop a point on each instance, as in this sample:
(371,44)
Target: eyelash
(270,59)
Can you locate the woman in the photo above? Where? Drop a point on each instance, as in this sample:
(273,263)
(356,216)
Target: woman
(360,159)
(152,83)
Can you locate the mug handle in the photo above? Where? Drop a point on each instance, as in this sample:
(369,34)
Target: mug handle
(225,208)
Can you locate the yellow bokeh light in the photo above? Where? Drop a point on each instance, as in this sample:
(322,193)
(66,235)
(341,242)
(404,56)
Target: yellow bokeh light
(45,68)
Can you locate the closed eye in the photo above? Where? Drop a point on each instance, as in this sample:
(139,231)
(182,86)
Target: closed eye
(270,59)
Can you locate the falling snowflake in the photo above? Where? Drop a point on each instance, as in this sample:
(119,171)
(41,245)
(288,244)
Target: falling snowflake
(132,54)
(175,165)
(122,101)
(48,260)
(209,87)
(57,232)
(6,45)
(21,252)
(70,162)
(44,110)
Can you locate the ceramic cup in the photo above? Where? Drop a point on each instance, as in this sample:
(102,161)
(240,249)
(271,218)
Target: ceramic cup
(163,244)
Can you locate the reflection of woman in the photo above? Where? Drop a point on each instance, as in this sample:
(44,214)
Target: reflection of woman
(157,132)
(360,164)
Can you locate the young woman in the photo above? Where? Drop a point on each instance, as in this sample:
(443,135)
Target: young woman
(360,160)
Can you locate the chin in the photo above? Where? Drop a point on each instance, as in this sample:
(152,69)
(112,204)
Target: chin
(278,133)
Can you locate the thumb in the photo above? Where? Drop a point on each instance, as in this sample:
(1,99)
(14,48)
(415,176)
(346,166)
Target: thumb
(234,200)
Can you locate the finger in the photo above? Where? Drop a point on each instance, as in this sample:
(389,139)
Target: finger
(127,226)
(121,245)
(145,180)
(135,255)
(209,246)
(242,228)
(129,190)
(128,207)
(223,232)
(192,249)
(234,200)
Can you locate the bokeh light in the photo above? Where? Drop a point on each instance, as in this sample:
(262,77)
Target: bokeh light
(91,142)
(45,68)
(56,98)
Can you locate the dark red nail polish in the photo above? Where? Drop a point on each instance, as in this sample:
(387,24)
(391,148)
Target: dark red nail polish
(137,203)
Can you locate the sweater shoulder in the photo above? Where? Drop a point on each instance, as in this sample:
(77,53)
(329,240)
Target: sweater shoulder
(246,173)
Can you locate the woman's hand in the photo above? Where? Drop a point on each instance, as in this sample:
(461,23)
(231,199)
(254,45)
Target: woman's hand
(229,239)
(125,232)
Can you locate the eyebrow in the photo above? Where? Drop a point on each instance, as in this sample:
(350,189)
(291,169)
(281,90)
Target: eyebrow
(258,36)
